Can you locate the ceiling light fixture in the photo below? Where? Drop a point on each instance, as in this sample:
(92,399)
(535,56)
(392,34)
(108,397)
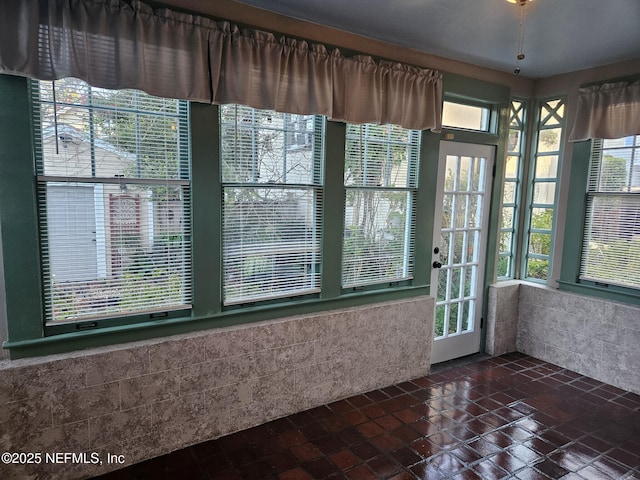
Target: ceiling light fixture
(523,15)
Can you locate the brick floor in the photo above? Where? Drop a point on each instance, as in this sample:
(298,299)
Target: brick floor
(511,417)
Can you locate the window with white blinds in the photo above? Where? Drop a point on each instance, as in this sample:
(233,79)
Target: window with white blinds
(272,180)
(113,201)
(611,244)
(381,180)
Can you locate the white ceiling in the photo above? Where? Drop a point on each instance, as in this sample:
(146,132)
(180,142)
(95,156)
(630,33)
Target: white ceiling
(560,35)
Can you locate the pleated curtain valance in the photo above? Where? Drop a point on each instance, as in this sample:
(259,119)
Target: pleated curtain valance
(611,110)
(128,44)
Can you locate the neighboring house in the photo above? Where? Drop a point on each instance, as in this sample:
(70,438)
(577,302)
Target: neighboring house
(91,218)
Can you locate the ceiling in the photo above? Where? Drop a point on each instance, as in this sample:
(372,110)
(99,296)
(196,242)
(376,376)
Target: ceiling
(560,36)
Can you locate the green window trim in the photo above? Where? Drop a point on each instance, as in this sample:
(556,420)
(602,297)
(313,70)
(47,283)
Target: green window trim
(27,335)
(573,236)
(543,190)
(513,189)
(18,217)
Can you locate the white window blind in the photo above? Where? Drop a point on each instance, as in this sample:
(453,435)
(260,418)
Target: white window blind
(113,199)
(611,245)
(381,168)
(272,194)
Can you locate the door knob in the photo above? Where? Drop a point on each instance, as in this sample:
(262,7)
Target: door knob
(437,264)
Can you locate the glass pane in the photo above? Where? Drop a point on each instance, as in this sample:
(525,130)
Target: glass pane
(507,217)
(469,282)
(544,193)
(262,146)
(503,266)
(453,318)
(133,135)
(465,171)
(381,156)
(113,248)
(615,170)
(547,166)
(466,315)
(475,210)
(378,237)
(441,313)
(478,173)
(461,210)
(517,114)
(612,246)
(270,245)
(537,268)
(443,275)
(509,194)
(451,169)
(505,241)
(549,140)
(456,275)
(447,209)
(468,117)
(542,218)
(472,241)
(458,246)
(552,112)
(514,141)
(540,243)
(511,168)
(445,239)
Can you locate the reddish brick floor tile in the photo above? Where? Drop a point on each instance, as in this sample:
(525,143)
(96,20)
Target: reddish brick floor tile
(512,417)
(344,459)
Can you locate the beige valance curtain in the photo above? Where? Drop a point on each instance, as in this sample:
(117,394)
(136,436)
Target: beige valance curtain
(128,44)
(611,110)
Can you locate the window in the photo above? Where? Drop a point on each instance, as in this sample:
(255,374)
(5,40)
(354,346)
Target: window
(113,201)
(272,203)
(611,243)
(543,189)
(466,117)
(512,190)
(381,164)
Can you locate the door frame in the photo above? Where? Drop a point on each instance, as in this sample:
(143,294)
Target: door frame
(471,342)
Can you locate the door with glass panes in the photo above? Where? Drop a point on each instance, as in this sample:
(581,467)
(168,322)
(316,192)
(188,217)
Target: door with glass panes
(459,247)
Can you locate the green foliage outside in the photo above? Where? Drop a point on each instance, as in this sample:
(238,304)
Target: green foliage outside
(540,244)
(375,237)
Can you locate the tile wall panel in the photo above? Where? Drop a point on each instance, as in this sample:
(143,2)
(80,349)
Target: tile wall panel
(149,398)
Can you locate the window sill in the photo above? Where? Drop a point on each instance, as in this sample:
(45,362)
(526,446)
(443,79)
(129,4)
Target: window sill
(618,294)
(83,339)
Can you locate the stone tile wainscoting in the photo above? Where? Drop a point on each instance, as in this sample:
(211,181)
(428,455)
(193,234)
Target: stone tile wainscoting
(596,338)
(149,398)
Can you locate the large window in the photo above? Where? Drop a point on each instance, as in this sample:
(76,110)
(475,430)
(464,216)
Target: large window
(272,196)
(512,190)
(113,201)
(543,190)
(381,164)
(611,244)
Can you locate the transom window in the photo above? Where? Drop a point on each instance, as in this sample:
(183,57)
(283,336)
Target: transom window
(113,201)
(466,117)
